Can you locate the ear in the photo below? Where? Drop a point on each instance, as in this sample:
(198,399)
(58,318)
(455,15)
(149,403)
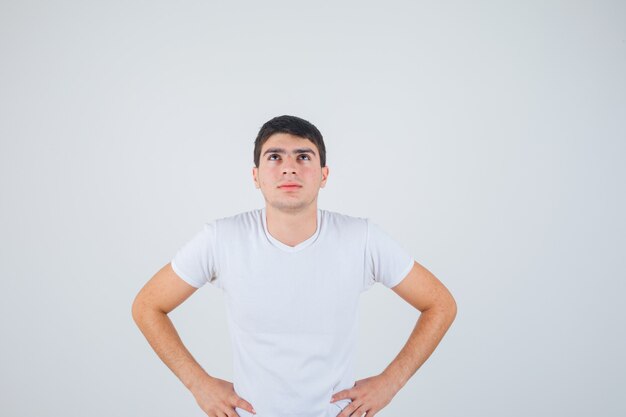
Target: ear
(255,172)
(324,176)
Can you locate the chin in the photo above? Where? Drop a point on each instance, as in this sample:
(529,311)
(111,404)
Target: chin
(288,205)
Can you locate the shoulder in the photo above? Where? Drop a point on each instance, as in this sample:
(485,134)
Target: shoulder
(251,217)
(243,222)
(343,221)
(356,225)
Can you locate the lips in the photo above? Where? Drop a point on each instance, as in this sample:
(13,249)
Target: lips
(290,186)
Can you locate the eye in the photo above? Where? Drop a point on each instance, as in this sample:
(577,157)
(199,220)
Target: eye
(270,157)
(307,156)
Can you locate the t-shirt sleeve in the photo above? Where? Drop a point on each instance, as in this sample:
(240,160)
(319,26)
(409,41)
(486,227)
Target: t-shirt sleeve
(196,261)
(386,261)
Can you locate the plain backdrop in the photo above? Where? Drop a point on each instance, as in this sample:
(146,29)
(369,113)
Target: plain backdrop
(487,138)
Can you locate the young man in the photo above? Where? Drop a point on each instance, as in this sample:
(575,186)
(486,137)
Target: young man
(292,275)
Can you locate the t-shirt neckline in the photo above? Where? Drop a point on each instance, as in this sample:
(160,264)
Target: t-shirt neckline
(300,246)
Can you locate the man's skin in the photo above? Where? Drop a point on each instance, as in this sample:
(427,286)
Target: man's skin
(291,219)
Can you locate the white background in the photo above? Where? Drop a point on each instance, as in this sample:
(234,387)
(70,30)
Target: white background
(487,138)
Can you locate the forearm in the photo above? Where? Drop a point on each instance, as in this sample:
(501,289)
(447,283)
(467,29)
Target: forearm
(162,336)
(430,328)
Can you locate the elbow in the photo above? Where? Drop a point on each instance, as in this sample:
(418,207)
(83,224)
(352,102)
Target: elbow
(446,309)
(137,309)
(452,309)
(143,308)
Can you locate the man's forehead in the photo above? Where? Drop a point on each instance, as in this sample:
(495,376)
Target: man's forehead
(285,142)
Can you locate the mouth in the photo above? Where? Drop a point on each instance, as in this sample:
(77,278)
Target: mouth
(289,187)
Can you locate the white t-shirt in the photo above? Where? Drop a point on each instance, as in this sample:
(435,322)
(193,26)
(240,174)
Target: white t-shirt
(292,311)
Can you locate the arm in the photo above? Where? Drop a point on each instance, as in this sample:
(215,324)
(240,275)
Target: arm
(163,293)
(426,293)
(438,310)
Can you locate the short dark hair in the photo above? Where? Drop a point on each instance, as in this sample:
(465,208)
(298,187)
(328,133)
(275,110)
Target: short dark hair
(294,126)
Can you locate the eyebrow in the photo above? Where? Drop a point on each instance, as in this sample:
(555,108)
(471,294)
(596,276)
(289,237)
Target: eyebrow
(282,151)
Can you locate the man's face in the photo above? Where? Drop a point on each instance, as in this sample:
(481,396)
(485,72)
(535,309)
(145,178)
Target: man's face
(289,159)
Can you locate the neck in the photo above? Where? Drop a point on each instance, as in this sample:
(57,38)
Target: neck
(291,227)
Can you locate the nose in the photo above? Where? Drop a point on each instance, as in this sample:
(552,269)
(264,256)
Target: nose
(289,167)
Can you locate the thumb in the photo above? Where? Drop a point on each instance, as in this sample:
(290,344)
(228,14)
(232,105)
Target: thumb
(241,403)
(338,395)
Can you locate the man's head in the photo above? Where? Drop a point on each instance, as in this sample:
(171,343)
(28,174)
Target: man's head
(289,150)
(294,126)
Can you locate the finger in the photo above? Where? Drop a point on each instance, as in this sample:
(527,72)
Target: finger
(346,412)
(349,411)
(341,395)
(241,403)
(226,410)
(232,413)
(358,412)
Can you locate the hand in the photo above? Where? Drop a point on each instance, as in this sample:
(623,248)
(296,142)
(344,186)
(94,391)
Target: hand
(369,395)
(217,398)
